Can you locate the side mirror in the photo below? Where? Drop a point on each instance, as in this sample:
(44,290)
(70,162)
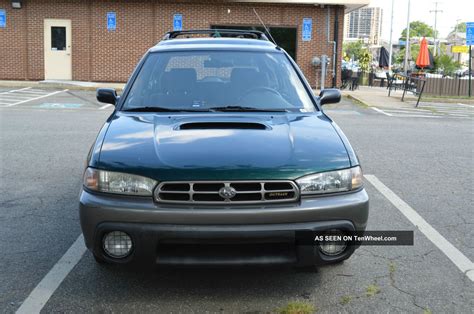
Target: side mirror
(107,95)
(329,96)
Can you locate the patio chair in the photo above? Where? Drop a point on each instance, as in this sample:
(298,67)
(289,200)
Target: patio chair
(355,77)
(345,78)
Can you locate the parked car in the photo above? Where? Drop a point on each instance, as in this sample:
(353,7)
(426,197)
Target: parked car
(218,152)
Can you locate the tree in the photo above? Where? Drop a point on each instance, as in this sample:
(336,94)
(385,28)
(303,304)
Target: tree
(353,49)
(458,28)
(445,64)
(364,60)
(414,51)
(418,29)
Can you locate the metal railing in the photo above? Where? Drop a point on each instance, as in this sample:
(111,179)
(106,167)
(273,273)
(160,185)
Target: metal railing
(409,84)
(216,33)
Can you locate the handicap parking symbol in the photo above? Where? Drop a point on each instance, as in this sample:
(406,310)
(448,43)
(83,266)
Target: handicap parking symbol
(111,21)
(307,29)
(3,19)
(470,33)
(178,22)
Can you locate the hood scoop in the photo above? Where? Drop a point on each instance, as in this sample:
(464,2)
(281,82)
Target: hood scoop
(223,126)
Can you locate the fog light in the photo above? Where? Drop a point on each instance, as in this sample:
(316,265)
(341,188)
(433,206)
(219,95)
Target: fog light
(332,248)
(117,244)
(333,243)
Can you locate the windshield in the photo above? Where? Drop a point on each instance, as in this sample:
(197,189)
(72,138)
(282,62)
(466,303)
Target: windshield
(207,80)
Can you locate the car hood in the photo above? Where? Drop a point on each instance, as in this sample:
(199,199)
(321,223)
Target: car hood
(222,146)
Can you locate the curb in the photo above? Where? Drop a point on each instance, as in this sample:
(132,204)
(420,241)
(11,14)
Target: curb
(357,99)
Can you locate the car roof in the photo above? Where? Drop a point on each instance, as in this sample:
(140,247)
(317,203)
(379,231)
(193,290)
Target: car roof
(208,43)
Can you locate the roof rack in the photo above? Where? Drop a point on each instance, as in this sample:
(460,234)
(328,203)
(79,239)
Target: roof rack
(218,33)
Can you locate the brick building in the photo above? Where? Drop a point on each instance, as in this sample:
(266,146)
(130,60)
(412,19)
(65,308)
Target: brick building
(102,40)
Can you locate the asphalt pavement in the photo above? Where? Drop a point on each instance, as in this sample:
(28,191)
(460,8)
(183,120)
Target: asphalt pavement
(427,163)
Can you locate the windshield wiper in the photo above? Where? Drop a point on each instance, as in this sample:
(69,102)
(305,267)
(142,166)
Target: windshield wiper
(247,109)
(163,109)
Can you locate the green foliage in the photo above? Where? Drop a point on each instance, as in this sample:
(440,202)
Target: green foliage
(358,52)
(345,299)
(391,267)
(372,290)
(460,28)
(364,60)
(414,51)
(353,49)
(418,29)
(297,307)
(446,64)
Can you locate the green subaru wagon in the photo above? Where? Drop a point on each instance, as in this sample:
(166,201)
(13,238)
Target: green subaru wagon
(219,153)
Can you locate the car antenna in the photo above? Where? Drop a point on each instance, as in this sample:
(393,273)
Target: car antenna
(264,26)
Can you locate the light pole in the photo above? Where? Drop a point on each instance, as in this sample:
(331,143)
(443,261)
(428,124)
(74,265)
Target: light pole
(435,11)
(407,43)
(456,37)
(391,44)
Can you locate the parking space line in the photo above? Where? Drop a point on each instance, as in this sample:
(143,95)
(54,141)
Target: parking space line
(14,96)
(15,90)
(460,260)
(408,111)
(458,115)
(29,92)
(39,97)
(381,111)
(464,105)
(418,116)
(48,285)
(106,106)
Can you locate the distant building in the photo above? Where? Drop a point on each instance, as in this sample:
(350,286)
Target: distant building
(364,24)
(457,39)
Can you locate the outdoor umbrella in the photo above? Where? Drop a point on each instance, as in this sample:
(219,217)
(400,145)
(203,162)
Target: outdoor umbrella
(423,59)
(431,66)
(384,58)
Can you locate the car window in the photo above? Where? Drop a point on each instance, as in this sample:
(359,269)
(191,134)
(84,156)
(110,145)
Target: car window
(209,79)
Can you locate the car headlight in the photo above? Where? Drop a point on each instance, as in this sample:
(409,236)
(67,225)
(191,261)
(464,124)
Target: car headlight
(331,181)
(118,183)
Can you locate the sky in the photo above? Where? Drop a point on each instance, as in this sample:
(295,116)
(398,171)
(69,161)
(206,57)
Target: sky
(420,11)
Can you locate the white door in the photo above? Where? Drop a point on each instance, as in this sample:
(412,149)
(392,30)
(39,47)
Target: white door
(57,50)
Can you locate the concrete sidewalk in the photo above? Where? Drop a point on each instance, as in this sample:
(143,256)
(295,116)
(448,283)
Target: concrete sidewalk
(378,97)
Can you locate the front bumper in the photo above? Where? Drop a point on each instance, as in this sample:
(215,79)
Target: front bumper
(170,234)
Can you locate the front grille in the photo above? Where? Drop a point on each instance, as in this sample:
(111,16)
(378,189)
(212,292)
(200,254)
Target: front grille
(228,192)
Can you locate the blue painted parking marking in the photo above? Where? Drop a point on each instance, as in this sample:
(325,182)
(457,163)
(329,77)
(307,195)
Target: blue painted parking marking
(59,106)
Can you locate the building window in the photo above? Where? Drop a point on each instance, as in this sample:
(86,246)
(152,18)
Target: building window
(58,38)
(285,37)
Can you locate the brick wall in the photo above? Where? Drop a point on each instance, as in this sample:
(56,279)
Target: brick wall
(101,55)
(13,41)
